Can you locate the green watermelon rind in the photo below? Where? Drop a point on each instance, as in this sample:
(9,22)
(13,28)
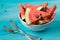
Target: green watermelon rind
(27,15)
(39,22)
(40,8)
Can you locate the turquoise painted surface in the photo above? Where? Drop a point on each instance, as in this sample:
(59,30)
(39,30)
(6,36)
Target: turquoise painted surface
(9,10)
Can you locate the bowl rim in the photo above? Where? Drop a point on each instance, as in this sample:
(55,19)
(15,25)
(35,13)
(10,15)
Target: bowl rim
(36,25)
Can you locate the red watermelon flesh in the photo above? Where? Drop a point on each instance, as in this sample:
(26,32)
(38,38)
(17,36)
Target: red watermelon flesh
(37,14)
(48,13)
(45,4)
(52,16)
(30,6)
(51,10)
(48,20)
(35,7)
(33,18)
(46,10)
(22,11)
(45,21)
(42,13)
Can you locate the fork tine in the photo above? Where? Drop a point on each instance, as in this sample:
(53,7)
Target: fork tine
(8,29)
(14,25)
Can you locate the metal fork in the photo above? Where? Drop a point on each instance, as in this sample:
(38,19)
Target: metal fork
(19,30)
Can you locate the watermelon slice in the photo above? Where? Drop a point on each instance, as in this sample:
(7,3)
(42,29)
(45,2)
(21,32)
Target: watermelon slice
(22,11)
(43,6)
(30,6)
(52,16)
(32,17)
(36,7)
(29,17)
(48,20)
(51,10)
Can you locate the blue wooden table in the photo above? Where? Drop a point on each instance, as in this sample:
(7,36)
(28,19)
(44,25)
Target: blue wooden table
(9,10)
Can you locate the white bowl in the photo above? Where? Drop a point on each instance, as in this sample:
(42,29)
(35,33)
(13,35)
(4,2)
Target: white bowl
(35,27)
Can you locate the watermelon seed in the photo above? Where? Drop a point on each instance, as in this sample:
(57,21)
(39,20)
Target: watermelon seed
(40,14)
(24,20)
(41,17)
